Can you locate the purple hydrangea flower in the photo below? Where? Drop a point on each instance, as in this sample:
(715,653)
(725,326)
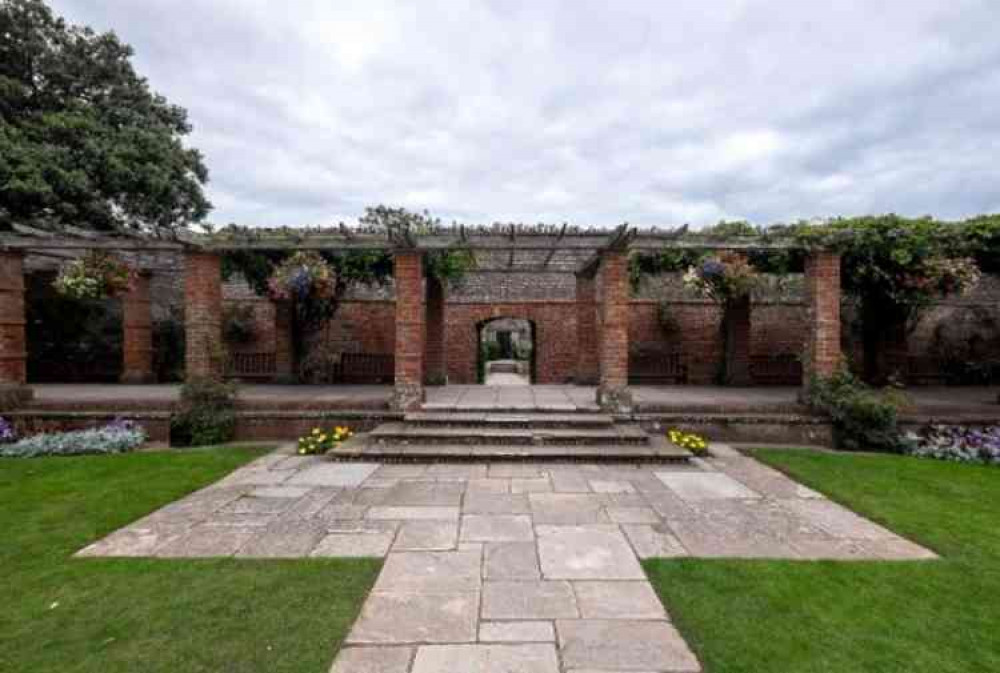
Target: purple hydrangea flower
(712,268)
(7,433)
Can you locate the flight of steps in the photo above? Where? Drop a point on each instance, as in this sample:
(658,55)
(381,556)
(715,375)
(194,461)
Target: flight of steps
(509,435)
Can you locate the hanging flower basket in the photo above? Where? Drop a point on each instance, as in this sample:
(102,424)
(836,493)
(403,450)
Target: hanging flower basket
(304,275)
(725,278)
(97,275)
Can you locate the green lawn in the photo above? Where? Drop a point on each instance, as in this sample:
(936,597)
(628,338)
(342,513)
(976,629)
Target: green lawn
(69,615)
(846,617)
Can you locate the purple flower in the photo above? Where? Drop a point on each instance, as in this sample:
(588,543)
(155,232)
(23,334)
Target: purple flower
(121,425)
(712,268)
(7,433)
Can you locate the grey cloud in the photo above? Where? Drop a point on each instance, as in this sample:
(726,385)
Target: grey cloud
(592,112)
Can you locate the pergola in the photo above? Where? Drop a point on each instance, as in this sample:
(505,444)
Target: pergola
(597,257)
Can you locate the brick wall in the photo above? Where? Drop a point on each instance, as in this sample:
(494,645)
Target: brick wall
(555,335)
(366,322)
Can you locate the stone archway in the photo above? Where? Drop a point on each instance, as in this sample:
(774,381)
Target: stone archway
(507,342)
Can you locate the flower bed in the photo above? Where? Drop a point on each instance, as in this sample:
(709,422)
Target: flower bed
(694,443)
(320,441)
(119,436)
(956,442)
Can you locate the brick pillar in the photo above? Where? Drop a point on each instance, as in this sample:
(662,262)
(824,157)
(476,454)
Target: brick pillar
(821,356)
(408,272)
(612,391)
(736,338)
(435,364)
(13,352)
(137,343)
(284,355)
(586,331)
(205,354)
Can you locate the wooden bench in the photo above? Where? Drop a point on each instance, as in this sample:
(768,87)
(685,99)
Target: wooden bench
(252,365)
(363,368)
(922,371)
(776,370)
(656,368)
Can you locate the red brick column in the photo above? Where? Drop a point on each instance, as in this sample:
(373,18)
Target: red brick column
(284,356)
(435,364)
(821,356)
(612,391)
(13,353)
(137,343)
(736,337)
(205,354)
(408,271)
(586,330)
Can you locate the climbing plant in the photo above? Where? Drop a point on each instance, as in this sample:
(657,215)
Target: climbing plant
(315,282)
(893,268)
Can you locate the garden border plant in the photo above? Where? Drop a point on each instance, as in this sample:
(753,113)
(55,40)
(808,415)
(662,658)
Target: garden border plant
(205,415)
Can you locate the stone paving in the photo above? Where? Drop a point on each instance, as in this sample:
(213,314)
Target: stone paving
(509,567)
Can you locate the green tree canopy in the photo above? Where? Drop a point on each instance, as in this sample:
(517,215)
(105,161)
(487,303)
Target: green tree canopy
(83,139)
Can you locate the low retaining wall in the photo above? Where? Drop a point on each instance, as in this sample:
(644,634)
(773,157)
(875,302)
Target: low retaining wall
(746,429)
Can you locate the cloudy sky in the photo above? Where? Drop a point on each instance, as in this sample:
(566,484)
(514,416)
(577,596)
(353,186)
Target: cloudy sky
(652,112)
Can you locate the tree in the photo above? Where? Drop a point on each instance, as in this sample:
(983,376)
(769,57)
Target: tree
(83,139)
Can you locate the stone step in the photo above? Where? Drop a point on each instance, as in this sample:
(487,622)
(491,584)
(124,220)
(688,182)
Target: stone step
(500,420)
(510,407)
(398,433)
(658,451)
(503,367)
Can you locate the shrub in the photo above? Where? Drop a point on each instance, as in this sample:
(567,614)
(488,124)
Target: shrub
(116,437)
(863,417)
(206,415)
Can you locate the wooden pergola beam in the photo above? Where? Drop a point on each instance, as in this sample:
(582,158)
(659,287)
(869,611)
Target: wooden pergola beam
(555,245)
(343,238)
(513,241)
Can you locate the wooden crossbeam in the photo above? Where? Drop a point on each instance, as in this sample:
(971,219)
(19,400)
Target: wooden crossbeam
(555,245)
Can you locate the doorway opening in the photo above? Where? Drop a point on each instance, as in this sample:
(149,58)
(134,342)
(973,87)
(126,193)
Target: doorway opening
(506,352)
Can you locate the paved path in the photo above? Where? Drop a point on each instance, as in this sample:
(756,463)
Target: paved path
(501,568)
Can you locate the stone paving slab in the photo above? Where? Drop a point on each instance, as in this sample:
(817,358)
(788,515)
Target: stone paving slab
(529,600)
(373,660)
(497,528)
(333,474)
(406,618)
(430,572)
(586,553)
(705,485)
(623,645)
(353,545)
(618,600)
(517,632)
(426,536)
(530,658)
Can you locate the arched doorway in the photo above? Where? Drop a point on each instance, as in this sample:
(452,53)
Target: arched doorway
(506,351)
